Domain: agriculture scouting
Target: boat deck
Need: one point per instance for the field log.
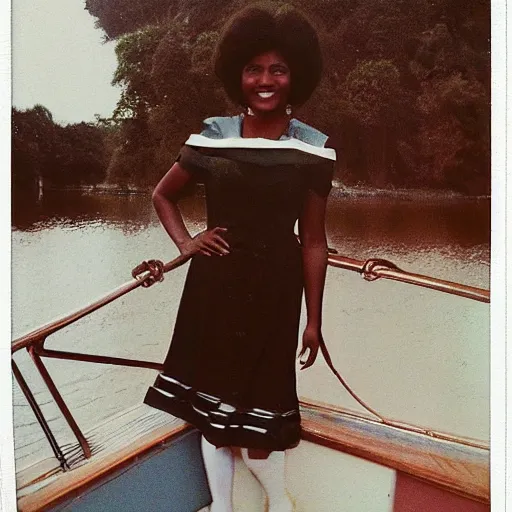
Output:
(344, 460)
(114, 443)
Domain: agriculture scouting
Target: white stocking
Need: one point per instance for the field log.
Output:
(270, 473)
(219, 464)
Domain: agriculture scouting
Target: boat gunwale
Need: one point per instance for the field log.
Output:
(395, 424)
(84, 476)
(455, 466)
(70, 483)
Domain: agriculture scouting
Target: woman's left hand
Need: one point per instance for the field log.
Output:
(310, 341)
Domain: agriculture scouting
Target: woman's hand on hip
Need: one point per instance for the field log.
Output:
(310, 342)
(209, 242)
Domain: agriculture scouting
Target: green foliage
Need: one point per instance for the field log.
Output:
(118, 17)
(135, 61)
(79, 155)
(454, 134)
(33, 142)
(168, 89)
(465, 99)
(405, 91)
(59, 155)
(372, 89)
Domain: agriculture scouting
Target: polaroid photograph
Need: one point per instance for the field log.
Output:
(250, 256)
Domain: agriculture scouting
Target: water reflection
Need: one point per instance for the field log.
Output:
(417, 224)
(74, 209)
(414, 354)
(375, 220)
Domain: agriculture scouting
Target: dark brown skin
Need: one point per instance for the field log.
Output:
(267, 73)
(165, 199)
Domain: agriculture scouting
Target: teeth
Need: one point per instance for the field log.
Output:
(265, 94)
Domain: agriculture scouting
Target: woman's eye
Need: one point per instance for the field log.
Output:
(251, 69)
(280, 71)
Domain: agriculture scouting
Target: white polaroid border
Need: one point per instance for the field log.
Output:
(7, 479)
(501, 246)
(501, 356)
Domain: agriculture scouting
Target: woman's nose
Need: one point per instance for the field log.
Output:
(266, 78)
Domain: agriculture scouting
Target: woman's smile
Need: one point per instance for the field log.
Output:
(266, 83)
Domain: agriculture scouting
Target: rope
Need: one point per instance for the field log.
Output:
(155, 269)
(337, 374)
(382, 419)
(370, 267)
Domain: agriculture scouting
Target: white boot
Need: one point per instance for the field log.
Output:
(219, 464)
(270, 474)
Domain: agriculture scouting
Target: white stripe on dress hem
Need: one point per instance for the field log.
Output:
(170, 395)
(256, 429)
(174, 381)
(223, 407)
(202, 413)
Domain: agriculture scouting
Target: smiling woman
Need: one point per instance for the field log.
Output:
(230, 369)
(255, 32)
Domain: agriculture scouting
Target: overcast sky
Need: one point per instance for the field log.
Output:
(59, 60)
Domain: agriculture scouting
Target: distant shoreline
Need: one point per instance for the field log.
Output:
(365, 191)
(361, 191)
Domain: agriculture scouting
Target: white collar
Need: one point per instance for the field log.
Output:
(260, 143)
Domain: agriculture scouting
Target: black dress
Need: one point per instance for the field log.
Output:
(230, 369)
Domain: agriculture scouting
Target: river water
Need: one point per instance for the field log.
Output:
(411, 353)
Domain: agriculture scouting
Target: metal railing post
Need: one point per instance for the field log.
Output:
(39, 416)
(60, 402)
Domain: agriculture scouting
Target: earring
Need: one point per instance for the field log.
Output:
(288, 110)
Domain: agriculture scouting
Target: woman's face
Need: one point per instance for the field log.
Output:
(266, 83)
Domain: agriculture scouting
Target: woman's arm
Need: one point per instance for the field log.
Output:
(314, 251)
(165, 199)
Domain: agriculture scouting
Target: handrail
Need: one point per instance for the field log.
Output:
(149, 272)
(371, 270)
(375, 268)
(145, 275)
(153, 275)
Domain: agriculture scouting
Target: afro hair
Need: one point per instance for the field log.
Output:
(263, 27)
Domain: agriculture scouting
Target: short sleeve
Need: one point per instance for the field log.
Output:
(191, 159)
(193, 162)
(320, 178)
(320, 175)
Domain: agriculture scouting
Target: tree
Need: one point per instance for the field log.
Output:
(43, 151)
(454, 139)
(372, 98)
(79, 155)
(168, 88)
(134, 63)
(119, 17)
(33, 143)
(406, 85)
